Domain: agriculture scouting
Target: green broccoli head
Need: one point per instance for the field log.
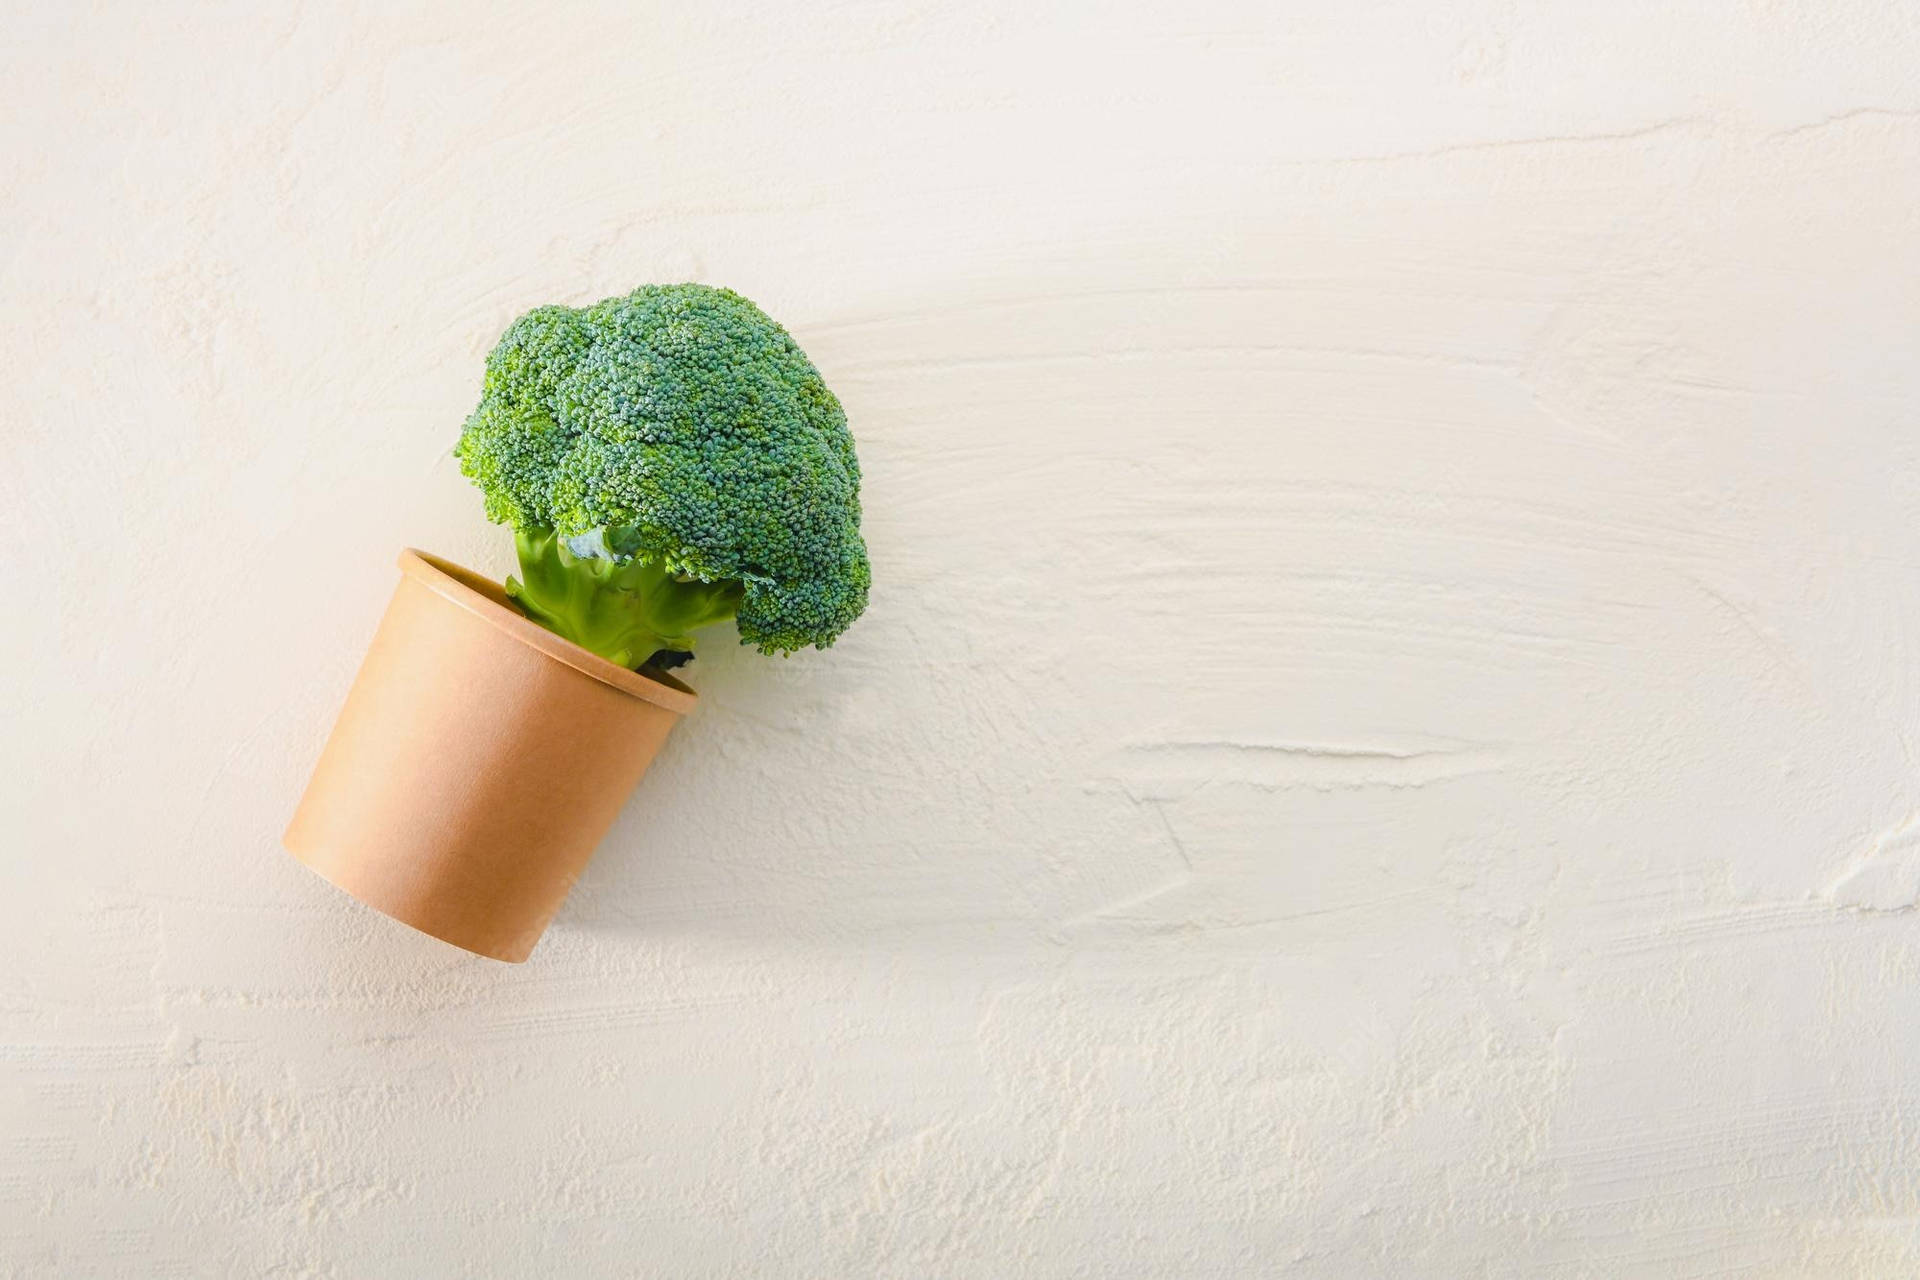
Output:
(678, 428)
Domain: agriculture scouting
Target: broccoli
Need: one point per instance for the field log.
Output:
(669, 459)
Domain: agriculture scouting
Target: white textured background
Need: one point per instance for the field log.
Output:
(1385, 742)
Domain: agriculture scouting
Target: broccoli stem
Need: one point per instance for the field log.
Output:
(626, 613)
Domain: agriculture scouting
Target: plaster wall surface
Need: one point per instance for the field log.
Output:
(1385, 740)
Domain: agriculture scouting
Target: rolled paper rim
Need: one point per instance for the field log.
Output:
(485, 600)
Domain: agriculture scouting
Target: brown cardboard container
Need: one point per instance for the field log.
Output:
(477, 762)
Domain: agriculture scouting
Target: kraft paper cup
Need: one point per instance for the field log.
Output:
(477, 762)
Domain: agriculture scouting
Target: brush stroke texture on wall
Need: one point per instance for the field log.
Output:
(1386, 739)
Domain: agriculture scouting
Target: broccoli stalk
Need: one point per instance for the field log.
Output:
(670, 459)
(626, 613)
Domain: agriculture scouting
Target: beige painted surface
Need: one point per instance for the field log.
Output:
(1384, 745)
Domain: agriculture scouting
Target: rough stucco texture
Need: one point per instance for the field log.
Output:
(1387, 742)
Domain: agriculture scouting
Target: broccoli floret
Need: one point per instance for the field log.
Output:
(669, 459)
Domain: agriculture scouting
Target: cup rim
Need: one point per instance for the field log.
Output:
(488, 601)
